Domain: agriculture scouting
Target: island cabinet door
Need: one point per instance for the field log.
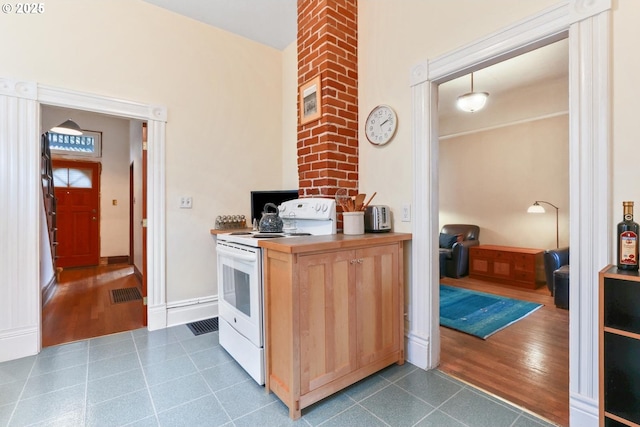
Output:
(327, 316)
(378, 294)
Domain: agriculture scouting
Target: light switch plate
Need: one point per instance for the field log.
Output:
(406, 212)
(186, 202)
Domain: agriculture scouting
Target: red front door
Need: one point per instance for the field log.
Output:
(77, 191)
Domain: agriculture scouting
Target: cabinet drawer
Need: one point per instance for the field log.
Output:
(525, 276)
(503, 256)
(526, 264)
(479, 266)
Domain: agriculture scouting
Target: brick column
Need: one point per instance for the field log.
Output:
(328, 47)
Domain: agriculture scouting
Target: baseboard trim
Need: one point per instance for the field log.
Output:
(156, 317)
(120, 259)
(187, 311)
(49, 290)
(18, 343)
(137, 273)
(417, 351)
(583, 411)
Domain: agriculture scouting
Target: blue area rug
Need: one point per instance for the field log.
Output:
(480, 314)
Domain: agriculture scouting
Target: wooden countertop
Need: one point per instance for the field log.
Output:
(304, 244)
(216, 231)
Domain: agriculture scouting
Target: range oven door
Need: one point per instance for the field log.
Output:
(240, 289)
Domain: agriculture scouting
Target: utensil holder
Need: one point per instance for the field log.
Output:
(353, 222)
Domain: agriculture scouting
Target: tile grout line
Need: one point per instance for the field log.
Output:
(85, 409)
(26, 381)
(146, 383)
(205, 381)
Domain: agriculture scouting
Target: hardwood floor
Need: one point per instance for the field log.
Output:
(82, 308)
(526, 363)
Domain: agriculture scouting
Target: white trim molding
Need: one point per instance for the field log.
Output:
(192, 310)
(586, 23)
(20, 192)
(20, 201)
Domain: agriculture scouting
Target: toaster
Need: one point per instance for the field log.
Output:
(377, 219)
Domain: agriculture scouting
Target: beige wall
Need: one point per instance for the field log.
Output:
(223, 95)
(626, 92)
(290, 117)
(490, 178)
(518, 153)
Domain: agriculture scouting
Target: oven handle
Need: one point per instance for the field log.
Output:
(235, 254)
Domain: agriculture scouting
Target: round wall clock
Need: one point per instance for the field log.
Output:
(381, 125)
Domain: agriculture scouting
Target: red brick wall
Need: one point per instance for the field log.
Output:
(327, 46)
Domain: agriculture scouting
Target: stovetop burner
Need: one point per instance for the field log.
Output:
(267, 235)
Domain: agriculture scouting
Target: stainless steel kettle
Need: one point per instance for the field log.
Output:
(270, 221)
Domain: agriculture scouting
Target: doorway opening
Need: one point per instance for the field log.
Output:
(589, 181)
(100, 238)
(491, 162)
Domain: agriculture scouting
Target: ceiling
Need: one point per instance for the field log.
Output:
(549, 62)
(274, 23)
(270, 22)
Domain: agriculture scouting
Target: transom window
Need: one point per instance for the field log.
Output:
(89, 144)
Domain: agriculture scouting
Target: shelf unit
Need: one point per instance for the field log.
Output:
(619, 347)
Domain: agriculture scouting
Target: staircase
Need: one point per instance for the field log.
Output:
(46, 171)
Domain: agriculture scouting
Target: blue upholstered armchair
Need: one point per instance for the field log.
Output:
(455, 240)
(556, 269)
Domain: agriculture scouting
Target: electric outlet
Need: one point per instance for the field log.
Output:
(186, 202)
(406, 212)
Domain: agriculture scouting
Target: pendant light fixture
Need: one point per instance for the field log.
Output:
(67, 128)
(472, 101)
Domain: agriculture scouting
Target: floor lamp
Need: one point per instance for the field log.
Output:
(536, 208)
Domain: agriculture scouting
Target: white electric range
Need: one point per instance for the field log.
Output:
(241, 281)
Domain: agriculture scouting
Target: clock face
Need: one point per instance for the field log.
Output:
(381, 125)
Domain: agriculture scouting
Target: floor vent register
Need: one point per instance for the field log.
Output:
(204, 326)
(125, 295)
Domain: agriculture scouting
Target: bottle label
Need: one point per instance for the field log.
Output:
(628, 245)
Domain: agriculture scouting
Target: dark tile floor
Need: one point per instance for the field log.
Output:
(172, 378)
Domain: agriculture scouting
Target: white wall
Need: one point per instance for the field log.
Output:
(223, 94)
(114, 176)
(490, 178)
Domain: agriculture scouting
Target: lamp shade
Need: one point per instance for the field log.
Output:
(536, 208)
(67, 128)
(472, 101)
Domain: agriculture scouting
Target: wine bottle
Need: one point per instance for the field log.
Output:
(628, 232)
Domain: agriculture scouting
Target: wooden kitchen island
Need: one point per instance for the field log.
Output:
(333, 312)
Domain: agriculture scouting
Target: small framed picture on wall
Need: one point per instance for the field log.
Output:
(310, 100)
